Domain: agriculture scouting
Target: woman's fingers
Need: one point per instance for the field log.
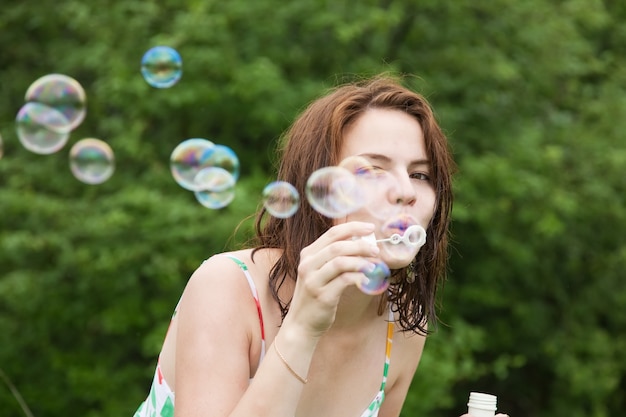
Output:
(345, 231)
(331, 257)
(335, 261)
(347, 269)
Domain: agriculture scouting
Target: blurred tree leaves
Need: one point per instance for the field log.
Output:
(532, 95)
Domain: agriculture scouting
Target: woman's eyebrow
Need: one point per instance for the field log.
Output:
(384, 158)
(376, 156)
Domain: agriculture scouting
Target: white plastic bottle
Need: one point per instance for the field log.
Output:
(481, 405)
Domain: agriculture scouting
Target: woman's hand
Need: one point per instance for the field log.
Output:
(497, 415)
(335, 261)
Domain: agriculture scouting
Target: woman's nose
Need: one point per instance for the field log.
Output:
(402, 192)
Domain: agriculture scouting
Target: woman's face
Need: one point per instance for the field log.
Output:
(396, 176)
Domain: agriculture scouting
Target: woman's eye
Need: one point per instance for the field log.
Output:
(369, 171)
(420, 176)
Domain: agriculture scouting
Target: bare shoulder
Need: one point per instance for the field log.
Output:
(212, 291)
(219, 266)
(217, 334)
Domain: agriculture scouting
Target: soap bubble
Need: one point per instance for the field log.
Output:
(223, 157)
(92, 161)
(334, 192)
(215, 187)
(42, 129)
(374, 184)
(161, 66)
(63, 93)
(189, 158)
(281, 199)
(378, 279)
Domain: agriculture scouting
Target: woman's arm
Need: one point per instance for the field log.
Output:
(216, 322)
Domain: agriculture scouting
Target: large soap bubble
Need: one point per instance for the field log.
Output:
(42, 129)
(334, 192)
(63, 93)
(374, 184)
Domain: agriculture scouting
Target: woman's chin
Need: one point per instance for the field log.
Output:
(397, 256)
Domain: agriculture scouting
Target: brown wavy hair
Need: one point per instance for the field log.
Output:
(314, 141)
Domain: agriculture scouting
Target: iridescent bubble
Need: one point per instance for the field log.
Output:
(42, 129)
(374, 183)
(334, 192)
(223, 157)
(161, 66)
(187, 159)
(62, 93)
(281, 199)
(378, 279)
(216, 187)
(92, 161)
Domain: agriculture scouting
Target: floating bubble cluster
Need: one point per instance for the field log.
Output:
(189, 158)
(161, 66)
(211, 171)
(55, 105)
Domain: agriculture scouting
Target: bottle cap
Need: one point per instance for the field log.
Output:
(482, 405)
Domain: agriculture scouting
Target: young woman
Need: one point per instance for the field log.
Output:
(285, 328)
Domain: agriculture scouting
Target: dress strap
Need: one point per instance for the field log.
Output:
(390, 329)
(255, 295)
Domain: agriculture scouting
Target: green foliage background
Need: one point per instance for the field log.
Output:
(531, 93)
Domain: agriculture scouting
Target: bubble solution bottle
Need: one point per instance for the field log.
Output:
(481, 405)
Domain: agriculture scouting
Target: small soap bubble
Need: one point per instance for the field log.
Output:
(41, 129)
(215, 187)
(161, 66)
(189, 158)
(92, 161)
(334, 192)
(62, 93)
(378, 279)
(222, 156)
(281, 199)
